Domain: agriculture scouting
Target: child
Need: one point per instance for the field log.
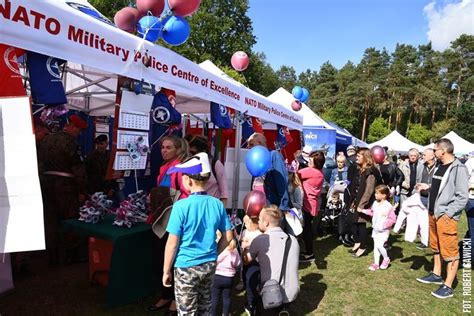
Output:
(192, 230)
(250, 271)
(334, 207)
(227, 264)
(295, 190)
(383, 218)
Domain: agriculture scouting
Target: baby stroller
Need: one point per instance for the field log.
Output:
(333, 208)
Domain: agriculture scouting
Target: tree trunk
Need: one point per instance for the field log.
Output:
(458, 100)
(366, 114)
(433, 114)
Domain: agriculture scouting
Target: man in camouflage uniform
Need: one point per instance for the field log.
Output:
(96, 166)
(63, 183)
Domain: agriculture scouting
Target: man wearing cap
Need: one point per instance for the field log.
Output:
(96, 165)
(63, 183)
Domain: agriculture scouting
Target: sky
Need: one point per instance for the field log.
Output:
(306, 33)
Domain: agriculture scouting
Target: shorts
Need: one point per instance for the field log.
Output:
(444, 237)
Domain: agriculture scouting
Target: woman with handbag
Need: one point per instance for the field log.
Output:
(169, 188)
(362, 198)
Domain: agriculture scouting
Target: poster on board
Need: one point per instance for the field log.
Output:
(321, 138)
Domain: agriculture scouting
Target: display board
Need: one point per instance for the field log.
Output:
(245, 178)
(21, 206)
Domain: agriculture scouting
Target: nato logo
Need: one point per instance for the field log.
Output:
(53, 68)
(9, 57)
(223, 110)
(161, 115)
(90, 11)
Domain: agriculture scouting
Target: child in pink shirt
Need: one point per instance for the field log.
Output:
(228, 262)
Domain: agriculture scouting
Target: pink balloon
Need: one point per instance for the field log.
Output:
(240, 61)
(254, 201)
(378, 154)
(126, 19)
(184, 7)
(155, 6)
(296, 105)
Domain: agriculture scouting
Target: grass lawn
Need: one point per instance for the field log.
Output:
(336, 284)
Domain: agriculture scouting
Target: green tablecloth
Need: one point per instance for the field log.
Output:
(131, 275)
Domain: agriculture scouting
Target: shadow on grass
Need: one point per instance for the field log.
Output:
(311, 293)
(323, 247)
(418, 262)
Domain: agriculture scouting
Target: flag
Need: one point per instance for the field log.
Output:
(45, 79)
(257, 125)
(162, 112)
(11, 83)
(220, 116)
(283, 135)
(247, 127)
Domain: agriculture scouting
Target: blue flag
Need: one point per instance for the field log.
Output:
(220, 116)
(45, 79)
(247, 127)
(162, 112)
(283, 135)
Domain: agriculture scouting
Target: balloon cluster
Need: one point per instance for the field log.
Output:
(152, 22)
(51, 114)
(257, 160)
(132, 210)
(137, 149)
(301, 95)
(95, 208)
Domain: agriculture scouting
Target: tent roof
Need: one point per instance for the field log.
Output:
(342, 134)
(88, 41)
(397, 142)
(461, 146)
(310, 119)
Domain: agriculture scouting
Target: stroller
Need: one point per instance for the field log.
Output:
(333, 208)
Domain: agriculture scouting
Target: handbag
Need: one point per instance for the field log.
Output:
(162, 200)
(271, 292)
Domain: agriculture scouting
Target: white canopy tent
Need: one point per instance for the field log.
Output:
(397, 142)
(310, 119)
(72, 35)
(461, 146)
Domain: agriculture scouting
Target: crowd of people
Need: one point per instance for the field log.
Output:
(202, 252)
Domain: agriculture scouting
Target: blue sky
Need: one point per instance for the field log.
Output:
(306, 33)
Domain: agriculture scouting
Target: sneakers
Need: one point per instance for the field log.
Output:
(385, 264)
(431, 279)
(421, 246)
(306, 258)
(443, 292)
(250, 310)
(374, 267)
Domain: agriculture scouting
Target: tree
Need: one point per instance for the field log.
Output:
(419, 134)
(218, 29)
(442, 127)
(338, 115)
(108, 7)
(260, 75)
(378, 130)
(287, 77)
(464, 121)
(325, 92)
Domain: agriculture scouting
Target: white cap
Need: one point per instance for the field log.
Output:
(195, 165)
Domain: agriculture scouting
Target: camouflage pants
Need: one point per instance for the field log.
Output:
(192, 288)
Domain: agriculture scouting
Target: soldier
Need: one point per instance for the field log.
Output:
(63, 185)
(96, 166)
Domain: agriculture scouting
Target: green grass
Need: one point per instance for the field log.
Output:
(337, 284)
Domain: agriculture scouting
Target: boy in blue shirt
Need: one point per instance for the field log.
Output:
(192, 239)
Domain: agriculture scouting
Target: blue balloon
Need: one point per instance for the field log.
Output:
(176, 30)
(297, 92)
(258, 160)
(305, 95)
(149, 27)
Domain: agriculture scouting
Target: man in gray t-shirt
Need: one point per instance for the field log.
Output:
(268, 249)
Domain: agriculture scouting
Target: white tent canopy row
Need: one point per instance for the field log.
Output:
(461, 146)
(397, 142)
(72, 35)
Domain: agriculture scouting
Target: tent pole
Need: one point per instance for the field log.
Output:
(235, 185)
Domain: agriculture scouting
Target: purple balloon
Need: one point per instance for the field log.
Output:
(378, 154)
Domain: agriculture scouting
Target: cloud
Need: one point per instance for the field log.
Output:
(447, 22)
